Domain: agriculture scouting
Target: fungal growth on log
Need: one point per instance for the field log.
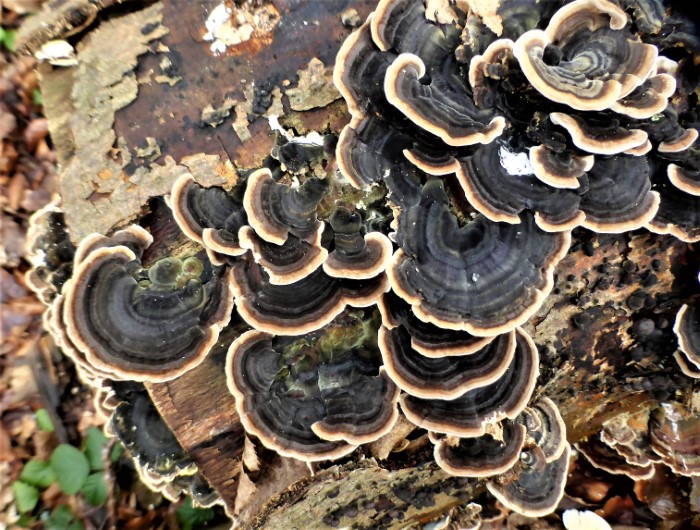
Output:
(393, 301)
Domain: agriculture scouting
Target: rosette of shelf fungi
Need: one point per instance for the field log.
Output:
(534, 485)
(398, 70)
(687, 329)
(472, 413)
(613, 195)
(485, 278)
(315, 396)
(142, 324)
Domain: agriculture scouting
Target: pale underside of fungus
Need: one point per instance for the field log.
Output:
(488, 149)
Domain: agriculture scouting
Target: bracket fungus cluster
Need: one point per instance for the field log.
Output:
(488, 144)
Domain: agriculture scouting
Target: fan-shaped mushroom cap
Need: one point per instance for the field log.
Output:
(359, 70)
(369, 151)
(469, 414)
(679, 212)
(680, 144)
(675, 437)
(484, 456)
(686, 180)
(209, 216)
(559, 170)
(139, 426)
(581, 75)
(650, 98)
(619, 196)
(609, 140)
(302, 306)
(546, 427)
(485, 278)
(87, 373)
(438, 108)
(687, 329)
(286, 263)
(427, 339)
(443, 377)
(275, 210)
(533, 487)
(354, 256)
(140, 325)
(314, 397)
(603, 457)
(501, 184)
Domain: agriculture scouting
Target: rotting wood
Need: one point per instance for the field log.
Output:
(585, 330)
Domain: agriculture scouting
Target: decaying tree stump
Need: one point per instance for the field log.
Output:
(149, 100)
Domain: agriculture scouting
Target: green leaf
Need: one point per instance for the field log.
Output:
(71, 468)
(25, 521)
(61, 519)
(37, 98)
(38, 473)
(26, 496)
(117, 451)
(188, 516)
(8, 38)
(95, 489)
(43, 420)
(95, 442)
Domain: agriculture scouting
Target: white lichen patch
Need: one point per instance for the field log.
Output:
(226, 27)
(57, 53)
(515, 163)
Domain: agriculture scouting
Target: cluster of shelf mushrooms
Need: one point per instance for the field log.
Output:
(544, 117)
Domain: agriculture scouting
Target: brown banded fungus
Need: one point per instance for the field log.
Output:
(289, 262)
(300, 307)
(687, 329)
(604, 457)
(675, 437)
(210, 216)
(469, 414)
(584, 59)
(49, 250)
(427, 339)
(534, 485)
(484, 278)
(276, 211)
(355, 256)
(443, 377)
(484, 456)
(142, 324)
(316, 396)
(585, 84)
